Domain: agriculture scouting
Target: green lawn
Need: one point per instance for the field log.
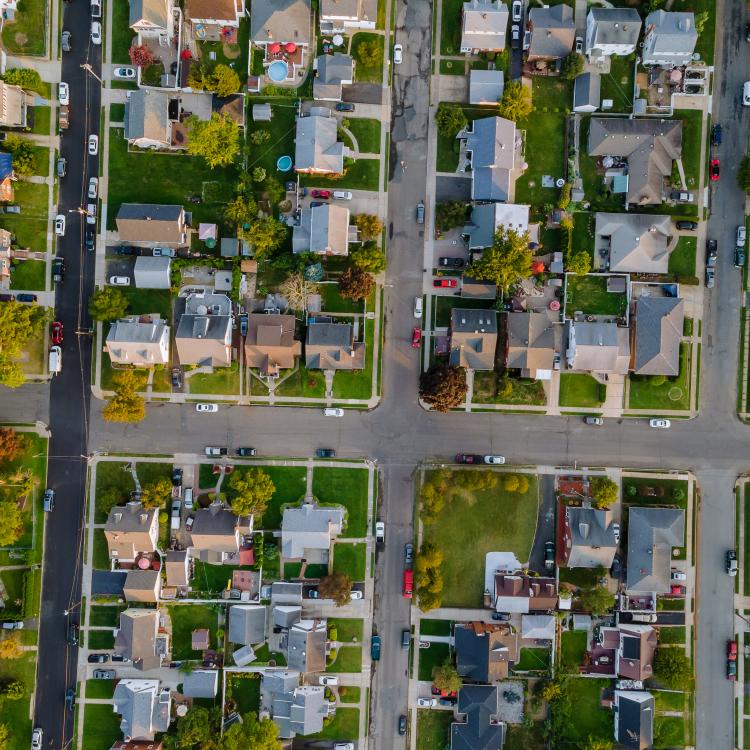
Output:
(238, 53)
(691, 145)
(282, 130)
(348, 659)
(521, 737)
(581, 390)
(665, 487)
(583, 232)
(30, 226)
(244, 689)
(433, 729)
(589, 295)
(122, 34)
(290, 484)
(41, 161)
(111, 478)
(429, 658)
(333, 302)
(347, 487)
(350, 559)
(668, 701)
(669, 732)
(362, 175)
(105, 616)
(434, 627)
(211, 577)
(447, 153)
(116, 112)
(450, 30)
(100, 689)
(186, 619)
(591, 719)
(452, 67)
(574, 646)
(101, 727)
(533, 659)
(349, 694)
(40, 117)
(367, 133)
(100, 640)
(463, 574)
(443, 306)
(27, 35)
(358, 383)
(618, 83)
(525, 391)
(367, 73)
(682, 258)
(29, 274)
(672, 394)
(223, 380)
(344, 726)
(348, 630)
(303, 382)
(142, 301)
(15, 713)
(672, 635)
(582, 577)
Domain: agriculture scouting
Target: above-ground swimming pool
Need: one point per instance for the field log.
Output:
(277, 71)
(284, 163)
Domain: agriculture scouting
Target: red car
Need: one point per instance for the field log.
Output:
(450, 283)
(732, 650)
(469, 458)
(714, 170)
(325, 194)
(57, 333)
(416, 337)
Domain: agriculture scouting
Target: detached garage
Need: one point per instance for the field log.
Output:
(152, 273)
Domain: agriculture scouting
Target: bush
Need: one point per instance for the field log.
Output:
(26, 78)
(657, 380)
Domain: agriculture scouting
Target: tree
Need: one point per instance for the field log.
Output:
(443, 387)
(595, 743)
(564, 200)
(223, 80)
(700, 21)
(265, 235)
(108, 304)
(336, 586)
(156, 494)
(743, 173)
(369, 226)
(450, 119)
(126, 405)
(251, 734)
(259, 174)
(11, 522)
(140, 56)
(604, 492)
(678, 494)
(254, 489)
(507, 261)
(368, 257)
(10, 647)
(12, 444)
(578, 263)
(516, 102)
(259, 137)
(12, 689)
(672, 667)
(274, 190)
(356, 284)
(451, 214)
(445, 677)
(296, 289)
(217, 140)
(199, 728)
(22, 151)
(510, 482)
(18, 324)
(370, 53)
(242, 209)
(572, 66)
(597, 600)
(5, 736)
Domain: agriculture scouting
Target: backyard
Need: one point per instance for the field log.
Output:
(187, 618)
(372, 72)
(463, 574)
(573, 648)
(618, 83)
(347, 487)
(591, 719)
(533, 660)
(141, 301)
(244, 689)
(658, 393)
(581, 390)
(589, 296)
(281, 129)
(344, 726)
(682, 258)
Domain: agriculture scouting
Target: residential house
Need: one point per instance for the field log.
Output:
(600, 347)
(486, 87)
(346, 16)
(247, 624)
(13, 106)
(284, 616)
(138, 638)
(323, 230)
(612, 31)
(484, 652)
(7, 177)
(634, 243)
(283, 593)
(294, 709)
(6, 240)
(331, 346)
(204, 330)
(139, 340)
(669, 39)
(473, 338)
(144, 708)
(131, 530)
(136, 745)
(201, 683)
(635, 650)
(8, 9)
(553, 32)
(270, 344)
(517, 592)
(491, 152)
(317, 148)
(215, 20)
(146, 224)
(488, 218)
(650, 146)
(151, 17)
(652, 535)
(306, 644)
(588, 537)
(309, 531)
(282, 27)
(215, 537)
(332, 73)
(634, 719)
(480, 727)
(147, 121)
(478, 289)
(587, 96)
(658, 329)
(483, 26)
(152, 272)
(530, 344)
(142, 586)
(177, 566)
(538, 627)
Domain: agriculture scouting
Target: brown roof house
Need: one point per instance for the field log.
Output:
(598, 346)
(634, 243)
(142, 586)
(200, 639)
(215, 536)
(484, 652)
(204, 330)
(152, 224)
(516, 592)
(331, 346)
(270, 344)
(177, 566)
(131, 530)
(210, 18)
(588, 538)
(138, 638)
(634, 658)
(530, 344)
(140, 340)
(473, 338)
(658, 331)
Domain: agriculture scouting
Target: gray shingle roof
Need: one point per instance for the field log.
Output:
(634, 718)
(492, 143)
(670, 38)
(552, 32)
(332, 72)
(309, 527)
(143, 708)
(294, 709)
(480, 705)
(280, 21)
(587, 92)
(148, 116)
(322, 229)
(138, 340)
(613, 26)
(306, 646)
(154, 12)
(317, 148)
(136, 637)
(598, 347)
(473, 338)
(486, 86)
(484, 25)
(658, 330)
(591, 536)
(652, 533)
(247, 624)
(152, 272)
(637, 242)
(201, 683)
(329, 346)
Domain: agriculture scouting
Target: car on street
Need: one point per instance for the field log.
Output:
(325, 453)
(494, 460)
(451, 262)
(375, 648)
(344, 107)
(328, 680)
(408, 554)
(73, 633)
(712, 251)
(380, 532)
(70, 699)
(730, 562)
(407, 588)
(98, 658)
(177, 477)
(125, 73)
(445, 283)
(594, 421)
(60, 225)
(63, 94)
(549, 555)
(91, 213)
(515, 37)
(420, 212)
(58, 270)
(93, 190)
(416, 337)
(716, 135)
(56, 332)
(96, 32)
(209, 408)
(93, 145)
(469, 458)
(62, 166)
(732, 650)
(741, 235)
(747, 32)
(246, 452)
(333, 412)
(579, 45)
(324, 194)
(501, 616)
(402, 724)
(212, 450)
(344, 746)
(427, 702)
(66, 41)
(746, 94)
(731, 670)
(398, 54)
(119, 280)
(48, 503)
(689, 226)
(739, 257)
(714, 169)
(104, 674)
(710, 278)
(616, 532)
(517, 10)
(660, 424)
(418, 308)
(37, 739)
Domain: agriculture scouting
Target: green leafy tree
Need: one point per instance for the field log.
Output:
(254, 489)
(5, 737)
(336, 586)
(156, 494)
(370, 53)
(259, 137)
(446, 678)
(578, 263)
(451, 214)
(274, 190)
(18, 325)
(356, 284)
(26, 78)
(672, 667)
(443, 387)
(597, 600)
(11, 525)
(572, 66)
(507, 261)
(450, 119)
(10, 645)
(368, 257)
(217, 140)
(604, 492)
(596, 743)
(108, 304)
(126, 405)
(199, 728)
(12, 444)
(369, 226)
(743, 173)
(265, 235)
(251, 735)
(223, 80)
(510, 482)
(564, 200)
(242, 209)
(516, 102)
(22, 151)
(12, 689)
(259, 174)
(701, 19)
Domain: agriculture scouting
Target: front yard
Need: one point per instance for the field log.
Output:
(525, 391)
(348, 659)
(433, 729)
(589, 295)
(367, 133)
(673, 393)
(347, 487)
(289, 482)
(223, 380)
(15, 713)
(429, 658)
(581, 390)
(28, 275)
(101, 727)
(343, 726)
(28, 33)
(682, 258)
(30, 226)
(350, 559)
(691, 145)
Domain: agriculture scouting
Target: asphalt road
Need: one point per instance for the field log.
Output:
(69, 394)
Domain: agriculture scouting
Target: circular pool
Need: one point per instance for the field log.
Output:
(284, 163)
(277, 71)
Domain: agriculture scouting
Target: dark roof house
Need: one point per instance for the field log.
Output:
(652, 534)
(480, 730)
(473, 338)
(530, 342)
(588, 538)
(552, 32)
(658, 331)
(634, 719)
(152, 224)
(491, 149)
(484, 652)
(331, 346)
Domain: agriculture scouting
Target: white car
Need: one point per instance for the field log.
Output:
(380, 532)
(96, 32)
(60, 225)
(344, 746)
(333, 412)
(579, 45)
(517, 10)
(355, 595)
(91, 213)
(211, 408)
(328, 680)
(398, 54)
(678, 575)
(418, 308)
(497, 460)
(746, 94)
(428, 702)
(125, 74)
(93, 144)
(63, 94)
(662, 424)
(616, 532)
(37, 737)
(119, 280)
(741, 236)
(93, 191)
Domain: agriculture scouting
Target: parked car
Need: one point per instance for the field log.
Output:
(48, 503)
(732, 650)
(175, 517)
(104, 674)
(595, 421)
(328, 680)
(93, 144)
(739, 257)
(119, 280)
(515, 37)
(517, 10)
(96, 32)
(659, 424)
(208, 408)
(398, 54)
(70, 699)
(616, 532)
(451, 262)
(63, 94)
(420, 212)
(333, 412)
(416, 337)
(375, 648)
(418, 308)
(37, 739)
(60, 225)
(342, 195)
(579, 45)
(324, 194)
(66, 41)
(689, 226)
(125, 73)
(731, 670)
(73, 633)
(163, 252)
(124, 250)
(10, 209)
(556, 360)
(710, 278)
(13, 625)
(747, 32)
(91, 213)
(746, 94)
(243, 325)
(716, 134)
(615, 569)
(212, 450)
(356, 595)
(469, 458)
(56, 332)
(176, 377)
(176, 477)
(246, 452)
(98, 658)
(405, 638)
(714, 170)
(62, 166)
(682, 196)
(549, 555)
(445, 283)
(315, 204)
(58, 270)
(429, 702)
(380, 532)
(741, 235)
(402, 724)
(93, 190)
(408, 554)
(678, 575)
(501, 616)
(494, 460)
(325, 453)
(344, 107)
(24, 297)
(344, 746)
(731, 562)
(712, 251)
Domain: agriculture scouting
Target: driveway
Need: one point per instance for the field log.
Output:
(452, 189)
(545, 523)
(363, 93)
(108, 582)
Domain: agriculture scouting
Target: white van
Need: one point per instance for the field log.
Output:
(188, 498)
(746, 94)
(55, 360)
(342, 195)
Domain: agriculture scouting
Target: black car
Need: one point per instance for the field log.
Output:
(125, 250)
(325, 453)
(6, 298)
(747, 32)
(176, 477)
(243, 325)
(62, 166)
(712, 250)
(176, 377)
(89, 240)
(687, 225)
(246, 452)
(402, 724)
(73, 634)
(118, 657)
(451, 262)
(58, 270)
(344, 107)
(716, 134)
(469, 458)
(70, 698)
(26, 297)
(616, 569)
(501, 616)
(549, 554)
(98, 658)
(739, 257)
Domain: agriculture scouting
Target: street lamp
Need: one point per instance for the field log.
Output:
(87, 67)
